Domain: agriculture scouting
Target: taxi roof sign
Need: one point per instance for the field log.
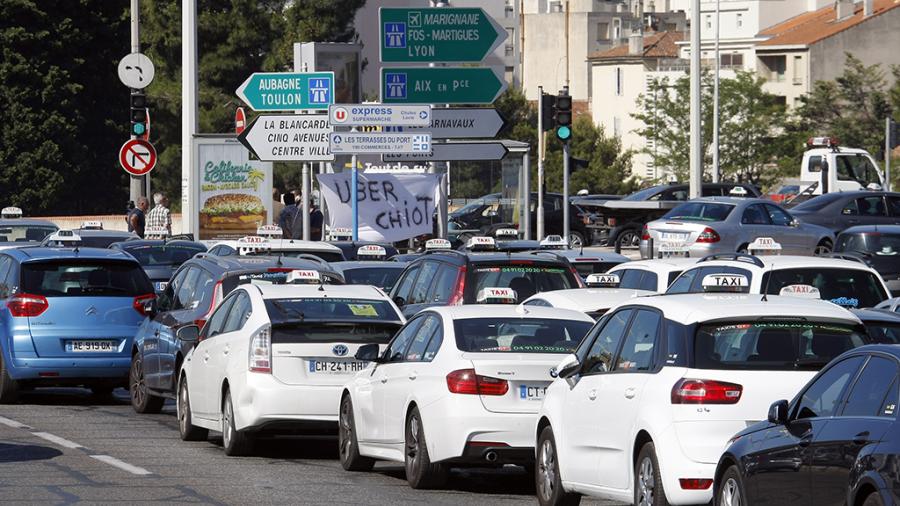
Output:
(764, 244)
(496, 295)
(437, 244)
(602, 280)
(337, 232)
(800, 291)
(92, 225)
(371, 250)
(252, 243)
(481, 242)
(304, 276)
(64, 236)
(725, 283)
(272, 231)
(506, 232)
(156, 232)
(10, 213)
(553, 242)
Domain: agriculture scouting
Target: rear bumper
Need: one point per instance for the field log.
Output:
(263, 403)
(696, 250)
(50, 369)
(674, 464)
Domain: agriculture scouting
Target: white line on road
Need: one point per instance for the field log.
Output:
(12, 423)
(125, 466)
(65, 443)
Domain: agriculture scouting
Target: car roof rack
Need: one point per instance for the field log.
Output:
(734, 257)
(848, 256)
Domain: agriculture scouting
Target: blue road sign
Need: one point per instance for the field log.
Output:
(288, 91)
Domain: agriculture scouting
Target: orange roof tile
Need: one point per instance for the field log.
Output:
(811, 27)
(657, 45)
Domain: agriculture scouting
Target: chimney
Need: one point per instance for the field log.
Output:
(868, 7)
(843, 9)
(636, 44)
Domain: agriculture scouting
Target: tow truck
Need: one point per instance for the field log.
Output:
(828, 167)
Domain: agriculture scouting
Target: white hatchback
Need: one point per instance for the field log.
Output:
(273, 359)
(646, 406)
(458, 385)
(595, 302)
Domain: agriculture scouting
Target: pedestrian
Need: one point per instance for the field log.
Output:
(277, 206)
(315, 221)
(137, 217)
(291, 220)
(159, 216)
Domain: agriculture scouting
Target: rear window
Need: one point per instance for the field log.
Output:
(771, 345)
(817, 203)
(519, 335)
(25, 233)
(700, 211)
(328, 256)
(526, 280)
(85, 278)
(376, 276)
(876, 243)
(883, 332)
(638, 279)
(845, 287)
(157, 255)
(306, 320)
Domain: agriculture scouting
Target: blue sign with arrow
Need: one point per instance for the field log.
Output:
(288, 91)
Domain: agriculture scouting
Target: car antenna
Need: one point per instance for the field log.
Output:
(765, 297)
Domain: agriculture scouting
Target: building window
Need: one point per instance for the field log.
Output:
(798, 70)
(617, 29)
(740, 20)
(619, 85)
(708, 21)
(602, 32)
(617, 126)
(508, 11)
(734, 60)
(773, 67)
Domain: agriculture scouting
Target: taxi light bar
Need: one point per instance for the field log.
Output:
(371, 250)
(260, 359)
(506, 233)
(801, 291)
(602, 280)
(160, 232)
(27, 305)
(728, 283)
(308, 277)
(10, 213)
(825, 142)
(437, 244)
(252, 243)
(698, 391)
(64, 237)
(492, 295)
(764, 244)
(92, 225)
(553, 242)
(270, 231)
(340, 232)
(466, 381)
(481, 243)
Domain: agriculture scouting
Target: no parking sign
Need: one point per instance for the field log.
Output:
(137, 157)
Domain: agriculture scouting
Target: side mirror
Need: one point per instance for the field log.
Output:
(367, 353)
(492, 214)
(846, 211)
(400, 301)
(188, 333)
(568, 367)
(778, 412)
(151, 308)
(795, 222)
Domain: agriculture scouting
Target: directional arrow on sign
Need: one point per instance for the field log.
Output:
(288, 91)
(461, 123)
(454, 151)
(440, 85)
(289, 138)
(438, 34)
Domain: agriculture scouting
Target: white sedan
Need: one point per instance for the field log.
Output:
(595, 302)
(458, 385)
(273, 358)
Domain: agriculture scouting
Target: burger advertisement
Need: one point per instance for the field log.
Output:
(235, 193)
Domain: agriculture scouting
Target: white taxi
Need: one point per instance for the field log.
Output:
(274, 358)
(458, 385)
(268, 242)
(653, 275)
(647, 404)
(594, 301)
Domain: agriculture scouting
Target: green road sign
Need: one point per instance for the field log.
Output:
(447, 34)
(440, 85)
(288, 91)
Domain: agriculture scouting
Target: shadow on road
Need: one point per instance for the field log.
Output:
(24, 453)
(72, 397)
(508, 480)
(293, 448)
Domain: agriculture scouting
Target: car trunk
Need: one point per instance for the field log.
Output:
(104, 323)
(675, 232)
(528, 376)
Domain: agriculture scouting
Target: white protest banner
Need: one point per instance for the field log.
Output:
(392, 207)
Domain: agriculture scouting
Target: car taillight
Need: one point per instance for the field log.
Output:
(645, 233)
(465, 381)
(696, 391)
(261, 350)
(140, 303)
(25, 304)
(708, 235)
(456, 298)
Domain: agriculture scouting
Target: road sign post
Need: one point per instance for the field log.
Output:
(289, 138)
(448, 34)
(288, 91)
(442, 85)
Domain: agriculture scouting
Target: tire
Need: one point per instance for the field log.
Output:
(823, 248)
(421, 473)
(648, 486)
(547, 482)
(237, 443)
(348, 446)
(627, 238)
(186, 428)
(9, 388)
(743, 249)
(873, 499)
(577, 240)
(731, 491)
(142, 401)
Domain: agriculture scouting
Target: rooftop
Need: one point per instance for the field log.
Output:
(811, 27)
(657, 45)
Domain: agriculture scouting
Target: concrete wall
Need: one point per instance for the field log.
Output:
(613, 110)
(877, 40)
(796, 75)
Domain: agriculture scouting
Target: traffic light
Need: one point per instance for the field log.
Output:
(562, 115)
(548, 103)
(138, 114)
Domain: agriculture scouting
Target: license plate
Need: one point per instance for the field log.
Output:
(531, 392)
(161, 286)
(673, 236)
(336, 367)
(92, 346)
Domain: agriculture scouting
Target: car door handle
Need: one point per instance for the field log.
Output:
(413, 375)
(206, 357)
(592, 394)
(861, 438)
(226, 350)
(629, 393)
(384, 380)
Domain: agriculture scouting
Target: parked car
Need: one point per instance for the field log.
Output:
(92, 235)
(68, 317)
(835, 443)
(160, 258)
(726, 225)
(263, 246)
(588, 262)
(594, 302)
(18, 232)
(381, 274)
(878, 245)
(841, 210)
(883, 326)
(651, 275)
(357, 250)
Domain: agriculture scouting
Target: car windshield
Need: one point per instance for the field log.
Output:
(328, 256)
(845, 287)
(817, 203)
(771, 345)
(156, 255)
(526, 279)
(84, 278)
(643, 194)
(381, 277)
(884, 332)
(700, 211)
(25, 233)
(519, 335)
(870, 243)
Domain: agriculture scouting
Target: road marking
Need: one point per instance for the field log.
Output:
(12, 423)
(65, 443)
(125, 466)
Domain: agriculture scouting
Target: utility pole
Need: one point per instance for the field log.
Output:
(696, 153)
(887, 153)
(539, 212)
(136, 183)
(189, 124)
(715, 142)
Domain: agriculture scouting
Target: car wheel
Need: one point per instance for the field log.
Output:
(188, 431)
(627, 239)
(421, 473)
(348, 447)
(548, 483)
(237, 443)
(731, 491)
(141, 399)
(9, 388)
(743, 249)
(648, 487)
(824, 247)
(577, 240)
(873, 499)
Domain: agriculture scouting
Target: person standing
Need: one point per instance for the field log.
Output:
(137, 217)
(291, 220)
(277, 206)
(315, 221)
(159, 216)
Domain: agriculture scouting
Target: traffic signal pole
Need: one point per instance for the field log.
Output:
(539, 213)
(565, 203)
(136, 183)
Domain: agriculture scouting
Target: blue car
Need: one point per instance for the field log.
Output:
(68, 317)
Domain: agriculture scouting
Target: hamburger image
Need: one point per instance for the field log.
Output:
(232, 212)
